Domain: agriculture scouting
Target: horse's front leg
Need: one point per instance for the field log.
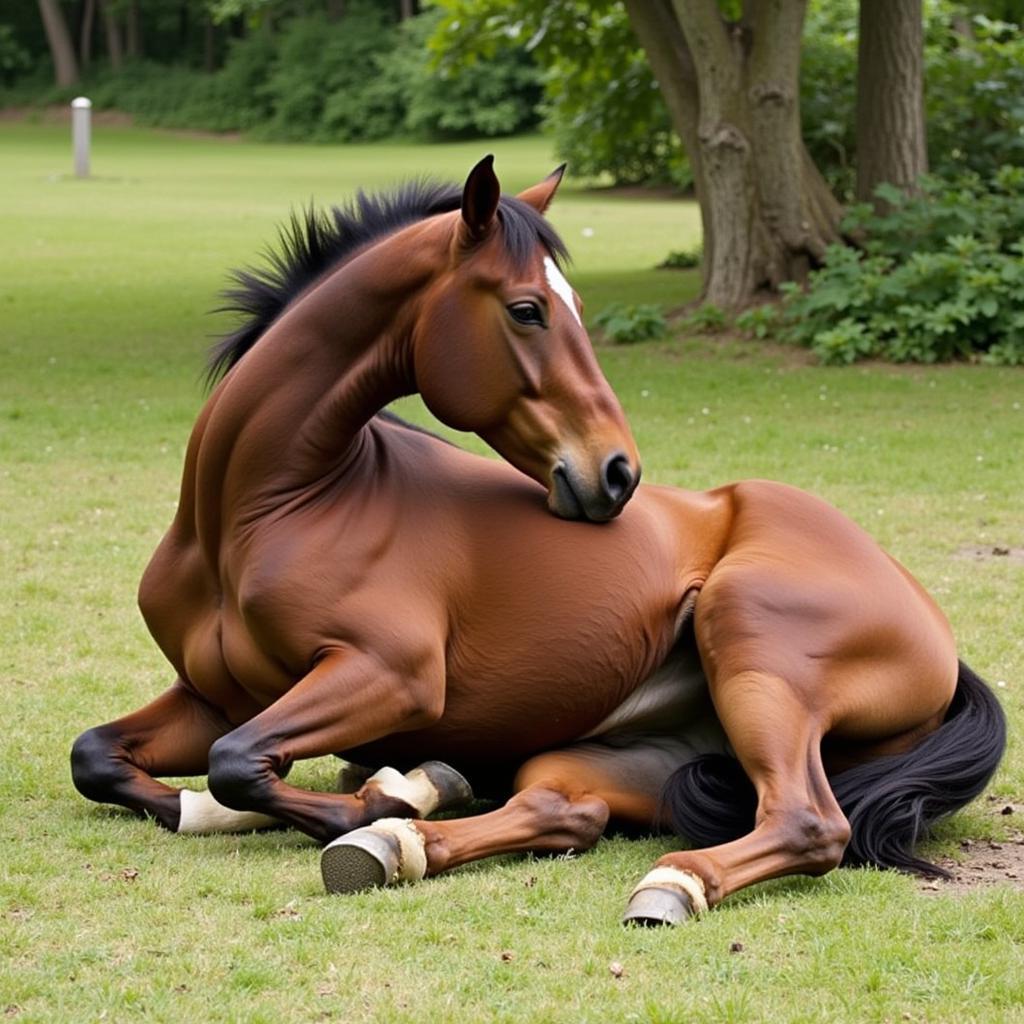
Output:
(349, 698)
(116, 763)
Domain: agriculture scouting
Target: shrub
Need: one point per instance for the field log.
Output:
(683, 259)
(758, 321)
(499, 96)
(975, 99)
(941, 277)
(706, 319)
(627, 323)
(15, 60)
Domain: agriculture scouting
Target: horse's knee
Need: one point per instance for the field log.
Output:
(817, 840)
(237, 774)
(578, 822)
(589, 820)
(96, 768)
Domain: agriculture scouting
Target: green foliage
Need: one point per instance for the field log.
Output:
(601, 102)
(628, 323)
(975, 98)
(706, 319)
(974, 90)
(683, 259)
(759, 321)
(306, 77)
(941, 277)
(499, 96)
(828, 76)
(325, 83)
(14, 58)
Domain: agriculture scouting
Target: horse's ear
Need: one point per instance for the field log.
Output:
(480, 197)
(539, 196)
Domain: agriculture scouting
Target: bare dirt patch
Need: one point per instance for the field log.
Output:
(992, 553)
(983, 862)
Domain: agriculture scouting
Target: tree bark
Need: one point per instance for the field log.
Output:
(133, 42)
(659, 34)
(732, 90)
(85, 38)
(890, 96)
(209, 45)
(112, 32)
(63, 53)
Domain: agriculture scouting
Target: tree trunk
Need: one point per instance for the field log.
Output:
(85, 39)
(335, 9)
(209, 45)
(133, 43)
(63, 53)
(407, 9)
(890, 96)
(112, 31)
(659, 33)
(732, 90)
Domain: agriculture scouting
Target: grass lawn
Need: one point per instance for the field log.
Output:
(103, 291)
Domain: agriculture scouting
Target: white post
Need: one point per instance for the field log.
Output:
(81, 132)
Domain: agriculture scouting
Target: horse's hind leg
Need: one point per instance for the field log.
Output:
(563, 802)
(799, 827)
(116, 763)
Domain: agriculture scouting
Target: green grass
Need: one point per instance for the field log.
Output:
(103, 288)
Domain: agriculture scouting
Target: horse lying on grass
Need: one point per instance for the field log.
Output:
(743, 664)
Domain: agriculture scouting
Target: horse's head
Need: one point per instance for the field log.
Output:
(500, 349)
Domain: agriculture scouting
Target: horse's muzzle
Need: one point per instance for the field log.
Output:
(571, 497)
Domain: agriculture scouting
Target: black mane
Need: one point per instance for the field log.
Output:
(315, 242)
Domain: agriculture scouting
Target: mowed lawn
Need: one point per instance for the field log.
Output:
(104, 292)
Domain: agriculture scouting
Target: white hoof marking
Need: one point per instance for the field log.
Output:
(202, 815)
(675, 878)
(415, 789)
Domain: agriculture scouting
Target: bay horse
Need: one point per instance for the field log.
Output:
(743, 664)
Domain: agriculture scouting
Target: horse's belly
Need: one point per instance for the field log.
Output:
(669, 701)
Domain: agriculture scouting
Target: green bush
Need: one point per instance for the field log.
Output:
(759, 321)
(706, 319)
(627, 323)
(601, 102)
(683, 259)
(941, 276)
(499, 96)
(828, 79)
(358, 78)
(975, 99)
(15, 60)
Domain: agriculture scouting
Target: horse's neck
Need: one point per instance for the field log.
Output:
(290, 415)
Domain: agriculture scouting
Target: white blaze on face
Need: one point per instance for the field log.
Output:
(560, 286)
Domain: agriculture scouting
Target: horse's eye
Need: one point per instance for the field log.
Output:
(528, 313)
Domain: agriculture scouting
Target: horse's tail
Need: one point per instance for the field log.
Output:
(890, 802)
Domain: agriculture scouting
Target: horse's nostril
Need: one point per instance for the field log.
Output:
(617, 477)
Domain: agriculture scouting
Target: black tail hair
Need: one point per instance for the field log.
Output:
(890, 802)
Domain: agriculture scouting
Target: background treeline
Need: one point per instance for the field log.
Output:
(356, 70)
(290, 71)
(930, 267)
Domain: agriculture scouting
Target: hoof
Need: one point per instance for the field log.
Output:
(453, 789)
(651, 908)
(363, 859)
